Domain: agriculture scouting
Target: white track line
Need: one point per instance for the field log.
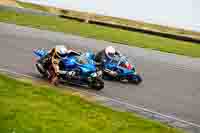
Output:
(117, 101)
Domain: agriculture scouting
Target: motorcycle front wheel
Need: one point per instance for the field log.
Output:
(137, 79)
(97, 84)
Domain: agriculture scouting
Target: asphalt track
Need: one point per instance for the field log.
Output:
(171, 83)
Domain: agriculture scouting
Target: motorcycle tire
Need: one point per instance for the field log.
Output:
(39, 69)
(137, 80)
(98, 84)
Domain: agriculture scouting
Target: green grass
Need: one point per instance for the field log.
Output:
(103, 33)
(29, 108)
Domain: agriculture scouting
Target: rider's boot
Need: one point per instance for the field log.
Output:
(54, 80)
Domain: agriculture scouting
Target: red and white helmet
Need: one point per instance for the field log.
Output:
(110, 52)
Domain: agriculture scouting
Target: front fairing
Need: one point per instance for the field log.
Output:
(122, 72)
(126, 72)
(121, 65)
(88, 68)
(110, 66)
(69, 63)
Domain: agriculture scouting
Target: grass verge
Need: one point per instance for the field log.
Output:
(103, 33)
(27, 108)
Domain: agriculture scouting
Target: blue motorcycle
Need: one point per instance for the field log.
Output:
(123, 70)
(84, 68)
(118, 69)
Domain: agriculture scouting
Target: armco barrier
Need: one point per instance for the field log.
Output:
(73, 18)
(135, 29)
(146, 31)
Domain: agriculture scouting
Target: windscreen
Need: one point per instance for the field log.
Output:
(82, 59)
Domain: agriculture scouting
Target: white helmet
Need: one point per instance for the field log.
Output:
(61, 50)
(110, 52)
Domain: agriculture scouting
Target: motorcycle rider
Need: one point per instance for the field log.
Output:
(105, 55)
(52, 62)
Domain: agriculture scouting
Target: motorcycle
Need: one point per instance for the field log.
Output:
(124, 71)
(85, 70)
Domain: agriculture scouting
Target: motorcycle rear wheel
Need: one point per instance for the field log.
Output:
(39, 69)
